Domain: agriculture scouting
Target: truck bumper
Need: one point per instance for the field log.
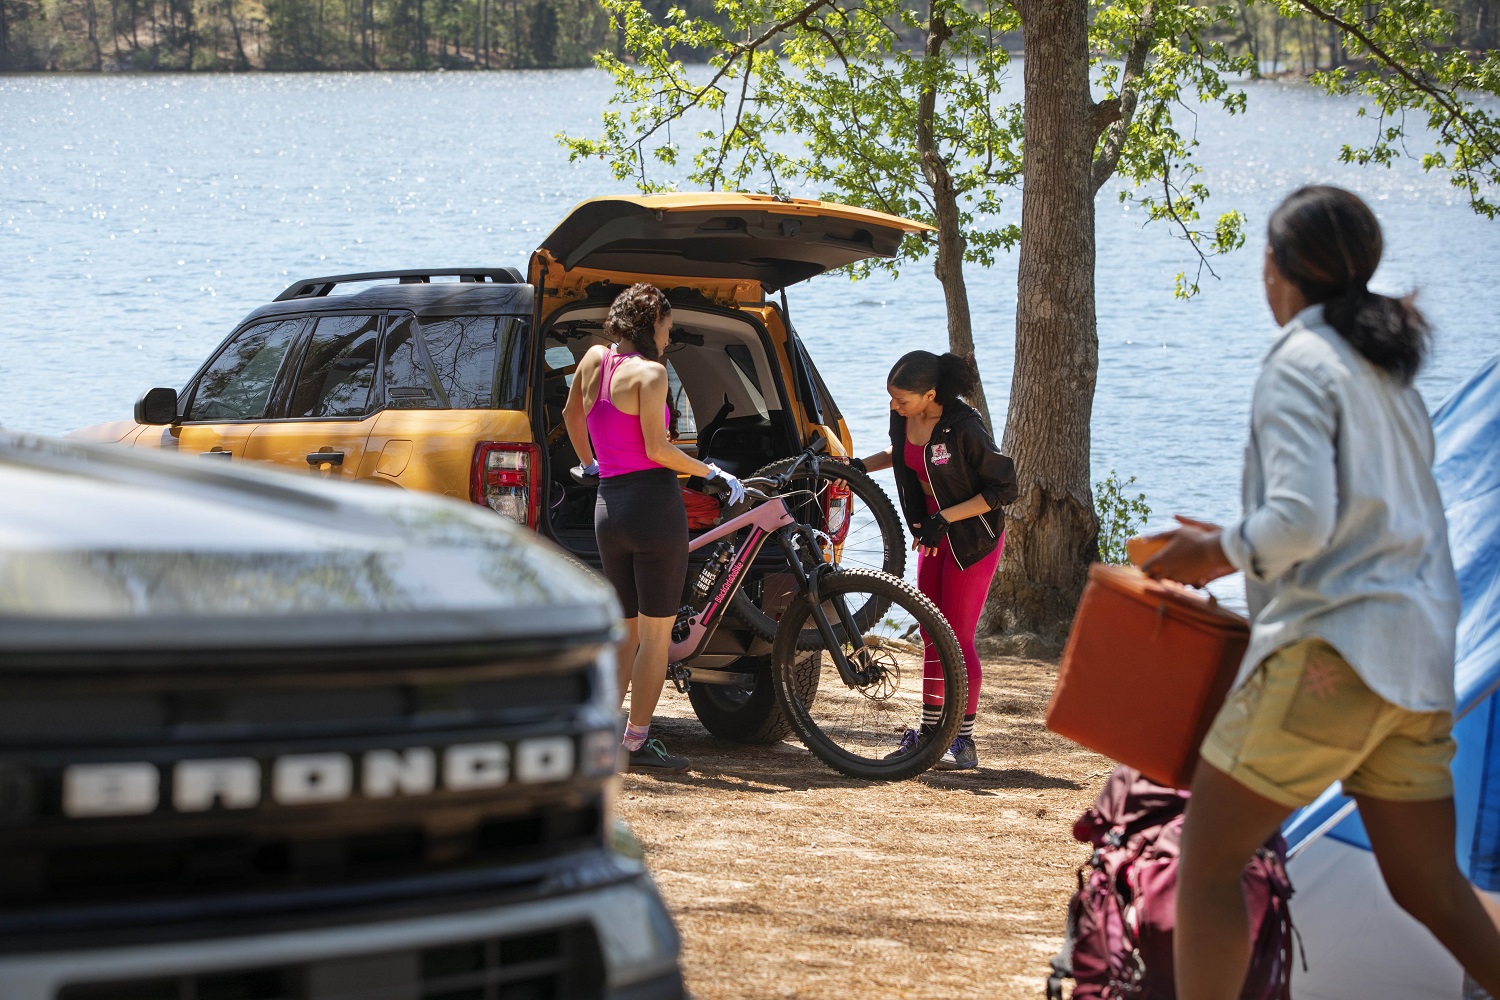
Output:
(614, 943)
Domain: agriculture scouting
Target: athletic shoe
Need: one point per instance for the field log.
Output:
(960, 756)
(909, 741)
(652, 756)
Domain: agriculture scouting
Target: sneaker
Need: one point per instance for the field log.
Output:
(909, 740)
(652, 756)
(960, 756)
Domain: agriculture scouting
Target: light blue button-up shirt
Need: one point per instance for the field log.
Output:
(1343, 536)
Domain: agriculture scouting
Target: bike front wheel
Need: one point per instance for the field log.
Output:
(856, 725)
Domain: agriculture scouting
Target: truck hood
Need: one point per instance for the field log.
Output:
(111, 549)
(722, 235)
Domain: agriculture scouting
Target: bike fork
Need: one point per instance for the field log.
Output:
(808, 583)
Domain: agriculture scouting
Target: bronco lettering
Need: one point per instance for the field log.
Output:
(133, 788)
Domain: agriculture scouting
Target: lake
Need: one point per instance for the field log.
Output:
(142, 217)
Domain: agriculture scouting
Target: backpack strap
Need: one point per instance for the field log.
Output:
(1062, 962)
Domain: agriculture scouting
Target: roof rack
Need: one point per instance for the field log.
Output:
(312, 288)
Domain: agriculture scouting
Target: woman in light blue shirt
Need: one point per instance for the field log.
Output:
(1349, 673)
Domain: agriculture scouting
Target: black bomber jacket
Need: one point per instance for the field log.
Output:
(962, 462)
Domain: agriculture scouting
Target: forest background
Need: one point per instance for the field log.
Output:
(242, 35)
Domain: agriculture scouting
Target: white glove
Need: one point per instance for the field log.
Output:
(736, 491)
(592, 469)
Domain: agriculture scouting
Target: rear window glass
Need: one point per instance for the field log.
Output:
(463, 363)
(237, 383)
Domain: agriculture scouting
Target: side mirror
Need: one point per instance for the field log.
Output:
(156, 406)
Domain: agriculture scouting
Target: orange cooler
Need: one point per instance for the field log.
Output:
(1145, 669)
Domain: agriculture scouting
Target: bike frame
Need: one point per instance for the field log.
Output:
(767, 520)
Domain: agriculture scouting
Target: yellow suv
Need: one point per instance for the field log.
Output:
(452, 381)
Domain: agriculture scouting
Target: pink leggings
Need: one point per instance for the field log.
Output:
(959, 595)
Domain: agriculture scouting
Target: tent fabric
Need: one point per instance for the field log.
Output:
(1467, 468)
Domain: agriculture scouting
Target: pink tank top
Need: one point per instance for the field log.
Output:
(616, 435)
(916, 461)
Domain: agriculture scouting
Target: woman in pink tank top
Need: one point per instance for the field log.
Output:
(617, 418)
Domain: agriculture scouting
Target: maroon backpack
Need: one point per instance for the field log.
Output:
(1119, 934)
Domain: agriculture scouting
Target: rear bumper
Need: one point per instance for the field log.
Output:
(637, 947)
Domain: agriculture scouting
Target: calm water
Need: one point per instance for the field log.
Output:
(140, 218)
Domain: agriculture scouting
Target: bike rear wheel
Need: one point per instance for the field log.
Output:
(857, 730)
(867, 522)
(750, 713)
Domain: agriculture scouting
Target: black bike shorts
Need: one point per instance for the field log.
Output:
(641, 526)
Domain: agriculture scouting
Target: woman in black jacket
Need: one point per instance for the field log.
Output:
(952, 482)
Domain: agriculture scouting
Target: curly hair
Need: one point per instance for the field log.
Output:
(633, 315)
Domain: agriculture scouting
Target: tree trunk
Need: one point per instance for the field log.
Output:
(91, 19)
(1051, 531)
(949, 266)
(190, 32)
(241, 61)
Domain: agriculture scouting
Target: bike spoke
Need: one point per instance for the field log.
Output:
(856, 723)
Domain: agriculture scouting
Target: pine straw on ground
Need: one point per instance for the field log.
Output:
(788, 880)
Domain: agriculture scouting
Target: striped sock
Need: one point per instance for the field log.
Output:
(635, 736)
(931, 716)
(967, 729)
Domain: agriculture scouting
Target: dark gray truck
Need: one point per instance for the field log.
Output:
(265, 738)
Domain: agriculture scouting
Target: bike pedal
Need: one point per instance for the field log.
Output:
(680, 677)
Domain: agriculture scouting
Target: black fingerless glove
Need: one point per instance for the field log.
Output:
(931, 531)
(858, 465)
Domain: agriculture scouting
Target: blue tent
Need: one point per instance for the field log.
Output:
(1358, 943)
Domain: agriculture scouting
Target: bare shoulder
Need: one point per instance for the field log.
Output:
(638, 371)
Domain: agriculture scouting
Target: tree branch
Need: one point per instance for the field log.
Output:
(798, 19)
(1444, 99)
(1116, 114)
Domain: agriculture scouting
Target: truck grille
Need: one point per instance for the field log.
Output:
(338, 777)
(562, 964)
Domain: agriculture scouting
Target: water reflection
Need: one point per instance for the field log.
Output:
(142, 217)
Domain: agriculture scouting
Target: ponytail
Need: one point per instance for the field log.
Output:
(949, 376)
(1391, 333)
(1327, 243)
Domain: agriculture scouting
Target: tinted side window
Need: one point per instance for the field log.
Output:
(237, 384)
(407, 375)
(339, 369)
(478, 361)
(684, 421)
(831, 412)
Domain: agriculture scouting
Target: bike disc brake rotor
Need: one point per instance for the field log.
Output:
(879, 661)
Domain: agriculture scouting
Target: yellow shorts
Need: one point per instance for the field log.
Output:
(1304, 720)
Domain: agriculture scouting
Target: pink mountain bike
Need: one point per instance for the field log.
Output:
(847, 657)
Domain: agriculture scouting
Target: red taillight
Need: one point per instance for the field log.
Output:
(837, 505)
(504, 480)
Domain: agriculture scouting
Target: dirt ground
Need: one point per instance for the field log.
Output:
(789, 880)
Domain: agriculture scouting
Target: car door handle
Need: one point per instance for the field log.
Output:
(217, 454)
(318, 458)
